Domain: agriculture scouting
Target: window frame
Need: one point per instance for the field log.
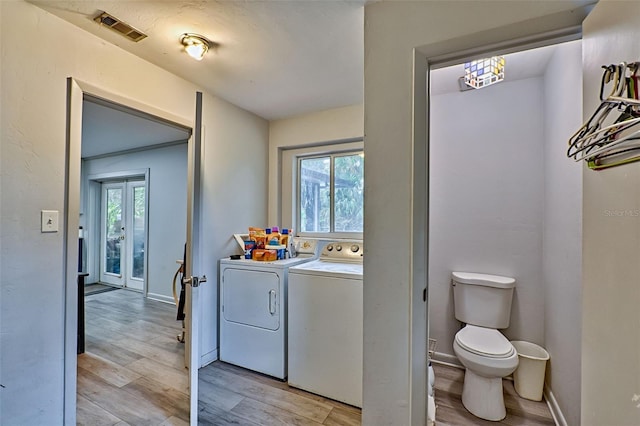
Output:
(290, 184)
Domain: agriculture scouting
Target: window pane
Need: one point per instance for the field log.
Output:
(349, 193)
(314, 194)
(138, 231)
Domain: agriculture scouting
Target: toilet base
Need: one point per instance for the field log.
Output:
(483, 396)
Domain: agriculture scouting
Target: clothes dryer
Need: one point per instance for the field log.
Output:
(253, 310)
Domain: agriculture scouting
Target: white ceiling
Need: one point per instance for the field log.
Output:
(518, 66)
(274, 58)
(106, 130)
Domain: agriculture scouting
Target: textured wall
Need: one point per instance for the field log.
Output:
(562, 238)
(39, 52)
(611, 242)
(486, 201)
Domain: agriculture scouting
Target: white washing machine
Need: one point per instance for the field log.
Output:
(253, 311)
(325, 323)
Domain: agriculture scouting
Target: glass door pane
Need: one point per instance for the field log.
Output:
(136, 234)
(112, 233)
(139, 206)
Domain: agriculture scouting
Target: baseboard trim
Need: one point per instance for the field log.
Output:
(208, 358)
(556, 413)
(161, 298)
(446, 359)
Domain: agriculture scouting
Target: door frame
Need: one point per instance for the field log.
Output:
(94, 203)
(538, 32)
(76, 91)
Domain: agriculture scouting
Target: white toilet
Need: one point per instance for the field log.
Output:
(483, 303)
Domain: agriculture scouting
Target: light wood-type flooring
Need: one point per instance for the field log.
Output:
(133, 373)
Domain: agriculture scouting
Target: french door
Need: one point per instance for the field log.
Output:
(123, 233)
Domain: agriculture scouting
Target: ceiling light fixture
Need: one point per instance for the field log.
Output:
(195, 45)
(484, 72)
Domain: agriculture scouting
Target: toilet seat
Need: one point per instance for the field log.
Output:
(486, 342)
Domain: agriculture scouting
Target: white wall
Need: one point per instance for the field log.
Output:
(167, 215)
(39, 51)
(611, 229)
(392, 31)
(486, 201)
(562, 237)
(234, 184)
(338, 124)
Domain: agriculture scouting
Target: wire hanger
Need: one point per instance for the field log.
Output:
(606, 140)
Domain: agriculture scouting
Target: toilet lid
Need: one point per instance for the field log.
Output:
(484, 341)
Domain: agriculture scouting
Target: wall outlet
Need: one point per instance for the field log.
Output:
(49, 221)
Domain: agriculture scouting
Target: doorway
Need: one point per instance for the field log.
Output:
(510, 196)
(123, 236)
(88, 167)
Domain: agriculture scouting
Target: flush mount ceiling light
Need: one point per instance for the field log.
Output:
(484, 72)
(195, 45)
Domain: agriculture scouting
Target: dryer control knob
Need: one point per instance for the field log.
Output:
(355, 248)
(329, 247)
(338, 247)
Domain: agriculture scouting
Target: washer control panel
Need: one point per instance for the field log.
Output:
(350, 251)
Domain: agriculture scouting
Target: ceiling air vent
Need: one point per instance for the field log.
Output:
(118, 26)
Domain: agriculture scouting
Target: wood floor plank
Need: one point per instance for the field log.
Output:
(451, 411)
(210, 415)
(268, 415)
(90, 414)
(111, 372)
(536, 410)
(448, 379)
(170, 401)
(115, 320)
(342, 417)
(105, 349)
(129, 407)
(174, 421)
(168, 341)
(161, 355)
(300, 405)
(217, 396)
(270, 381)
(139, 335)
(168, 376)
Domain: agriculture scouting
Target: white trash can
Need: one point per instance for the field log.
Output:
(529, 376)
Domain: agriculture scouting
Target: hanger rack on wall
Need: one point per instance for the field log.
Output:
(611, 137)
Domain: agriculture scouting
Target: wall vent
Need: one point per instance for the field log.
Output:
(120, 27)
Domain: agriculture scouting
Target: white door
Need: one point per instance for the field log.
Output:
(123, 234)
(192, 265)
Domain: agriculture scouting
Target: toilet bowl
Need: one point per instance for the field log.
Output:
(487, 357)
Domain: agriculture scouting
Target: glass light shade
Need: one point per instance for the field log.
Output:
(195, 46)
(484, 72)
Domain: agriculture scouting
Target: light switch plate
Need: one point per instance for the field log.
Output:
(49, 221)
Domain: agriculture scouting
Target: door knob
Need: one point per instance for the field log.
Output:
(194, 281)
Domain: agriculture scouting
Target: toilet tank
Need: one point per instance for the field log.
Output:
(481, 299)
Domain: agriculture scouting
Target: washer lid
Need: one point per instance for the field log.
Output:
(484, 341)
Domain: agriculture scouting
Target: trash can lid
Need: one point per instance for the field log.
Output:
(484, 341)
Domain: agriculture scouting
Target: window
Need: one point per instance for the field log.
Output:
(331, 193)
